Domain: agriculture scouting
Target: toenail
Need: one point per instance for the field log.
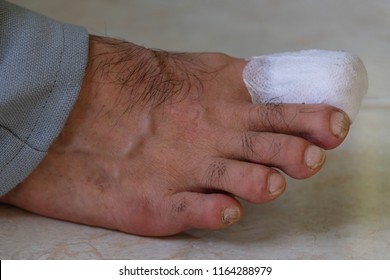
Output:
(339, 124)
(314, 157)
(275, 184)
(231, 215)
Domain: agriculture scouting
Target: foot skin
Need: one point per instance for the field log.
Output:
(159, 143)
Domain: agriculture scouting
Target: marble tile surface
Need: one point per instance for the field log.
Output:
(341, 213)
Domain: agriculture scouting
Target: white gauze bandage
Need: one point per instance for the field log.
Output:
(336, 78)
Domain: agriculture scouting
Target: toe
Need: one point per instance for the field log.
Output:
(295, 156)
(252, 182)
(204, 211)
(321, 124)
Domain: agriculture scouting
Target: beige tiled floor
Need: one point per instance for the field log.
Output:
(341, 213)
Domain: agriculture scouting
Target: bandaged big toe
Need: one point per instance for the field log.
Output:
(336, 78)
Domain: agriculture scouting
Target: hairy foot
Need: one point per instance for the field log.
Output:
(160, 142)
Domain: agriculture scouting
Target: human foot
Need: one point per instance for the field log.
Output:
(160, 142)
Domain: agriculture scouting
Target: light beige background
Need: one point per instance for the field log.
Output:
(341, 213)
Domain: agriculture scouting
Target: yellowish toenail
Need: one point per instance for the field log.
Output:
(339, 124)
(276, 184)
(231, 215)
(314, 157)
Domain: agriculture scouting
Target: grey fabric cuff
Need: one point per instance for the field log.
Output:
(42, 64)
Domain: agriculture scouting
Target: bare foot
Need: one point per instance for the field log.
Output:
(160, 142)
